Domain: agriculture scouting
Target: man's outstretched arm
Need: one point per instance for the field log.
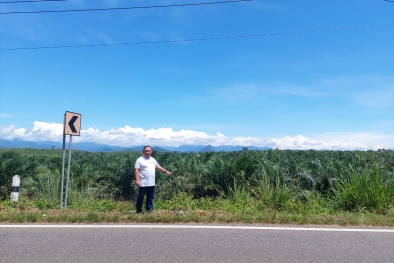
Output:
(161, 169)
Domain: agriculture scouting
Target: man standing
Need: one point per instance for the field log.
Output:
(144, 172)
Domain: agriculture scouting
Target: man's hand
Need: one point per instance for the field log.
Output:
(137, 177)
(161, 169)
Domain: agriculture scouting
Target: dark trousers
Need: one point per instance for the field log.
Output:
(150, 194)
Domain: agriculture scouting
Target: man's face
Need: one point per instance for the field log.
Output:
(147, 152)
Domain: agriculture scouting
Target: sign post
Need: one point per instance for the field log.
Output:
(72, 127)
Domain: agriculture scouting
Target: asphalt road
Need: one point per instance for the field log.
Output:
(166, 243)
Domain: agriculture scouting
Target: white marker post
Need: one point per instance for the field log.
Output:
(16, 181)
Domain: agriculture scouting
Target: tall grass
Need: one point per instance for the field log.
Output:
(365, 190)
(48, 183)
(272, 191)
(274, 180)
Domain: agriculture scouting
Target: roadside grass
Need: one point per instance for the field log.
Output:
(265, 187)
(184, 209)
(364, 191)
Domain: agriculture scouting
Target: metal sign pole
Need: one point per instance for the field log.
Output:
(72, 126)
(62, 180)
(68, 171)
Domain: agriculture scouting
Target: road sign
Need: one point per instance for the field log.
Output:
(72, 123)
(72, 127)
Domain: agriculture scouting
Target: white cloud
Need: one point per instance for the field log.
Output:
(373, 140)
(107, 39)
(42, 131)
(366, 90)
(376, 98)
(303, 143)
(284, 88)
(238, 94)
(4, 115)
(128, 136)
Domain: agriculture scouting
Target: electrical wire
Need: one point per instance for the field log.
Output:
(121, 8)
(198, 39)
(30, 1)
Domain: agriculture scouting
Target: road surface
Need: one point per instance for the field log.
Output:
(193, 243)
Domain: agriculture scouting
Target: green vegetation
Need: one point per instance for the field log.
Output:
(275, 186)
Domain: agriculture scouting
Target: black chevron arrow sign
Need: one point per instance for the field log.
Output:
(72, 123)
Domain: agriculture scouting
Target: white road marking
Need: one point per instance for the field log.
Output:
(336, 229)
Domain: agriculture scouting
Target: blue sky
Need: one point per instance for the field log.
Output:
(305, 75)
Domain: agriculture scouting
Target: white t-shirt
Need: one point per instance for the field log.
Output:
(146, 168)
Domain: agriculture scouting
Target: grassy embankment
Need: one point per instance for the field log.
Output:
(270, 187)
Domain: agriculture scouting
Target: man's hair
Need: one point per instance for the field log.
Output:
(146, 146)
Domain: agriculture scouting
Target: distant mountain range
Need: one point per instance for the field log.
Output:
(95, 147)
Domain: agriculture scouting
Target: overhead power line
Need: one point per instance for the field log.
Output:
(121, 8)
(197, 39)
(30, 1)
